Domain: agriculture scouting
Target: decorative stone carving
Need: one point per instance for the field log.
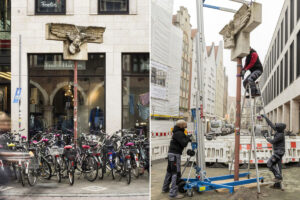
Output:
(240, 19)
(75, 38)
(236, 34)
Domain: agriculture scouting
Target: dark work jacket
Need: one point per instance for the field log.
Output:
(179, 141)
(278, 142)
(257, 65)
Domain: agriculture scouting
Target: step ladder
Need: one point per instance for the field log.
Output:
(256, 108)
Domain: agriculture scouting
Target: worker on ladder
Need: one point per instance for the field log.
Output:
(278, 142)
(178, 142)
(253, 64)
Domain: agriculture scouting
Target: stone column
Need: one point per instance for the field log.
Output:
(48, 115)
(275, 115)
(279, 114)
(294, 116)
(286, 115)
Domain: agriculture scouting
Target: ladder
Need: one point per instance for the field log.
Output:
(256, 107)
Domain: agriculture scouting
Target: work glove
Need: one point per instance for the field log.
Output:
(243, 72)
(190, 138)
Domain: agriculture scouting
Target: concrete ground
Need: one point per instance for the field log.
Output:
(82, 189)
(291, 184)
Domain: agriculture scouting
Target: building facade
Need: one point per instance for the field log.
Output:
(113, 85)
(182, 20)
(166, 55)
(209, 81)
(281, 78)
(220, 82)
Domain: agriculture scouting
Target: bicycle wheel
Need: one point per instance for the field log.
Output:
(58, 169)
(71, 173)
(91, 168)
(135, 169)
(100, 168)
(21, 176)
(128, 175)
(32, 176)
(46, 171)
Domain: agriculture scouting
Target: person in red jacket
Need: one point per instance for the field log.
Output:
(254, 65)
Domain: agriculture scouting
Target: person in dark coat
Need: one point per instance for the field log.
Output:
(254, 65)
(278, 142)
(178, 142)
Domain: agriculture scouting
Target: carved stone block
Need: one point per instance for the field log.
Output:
(75, 38)
(242, 46)
(255, 19)
(236, 34)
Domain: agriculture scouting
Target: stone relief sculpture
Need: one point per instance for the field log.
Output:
(75, 38)
(240, 20)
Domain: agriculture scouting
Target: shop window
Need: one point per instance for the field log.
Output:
(135, 91)
(51, 94)
(113, 6)
(5, 65)
(50, 7)
(5, 16)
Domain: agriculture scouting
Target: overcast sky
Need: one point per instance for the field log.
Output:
(215, 20)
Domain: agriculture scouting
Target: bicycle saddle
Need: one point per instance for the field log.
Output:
(85, 146)
(68, 147)
(129, 144)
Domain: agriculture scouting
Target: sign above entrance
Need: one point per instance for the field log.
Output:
(64, 65)
(17, 95)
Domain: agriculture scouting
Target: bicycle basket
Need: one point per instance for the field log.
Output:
(33, 164)
(70, 154)
(53, 151)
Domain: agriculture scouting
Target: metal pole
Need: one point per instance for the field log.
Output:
(241, 1)
(75, 102)
(19, 86)
(220, 8)
(238, 119)
(200, 99)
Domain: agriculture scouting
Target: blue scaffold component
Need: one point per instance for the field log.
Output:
(208, 184)
(194, 145)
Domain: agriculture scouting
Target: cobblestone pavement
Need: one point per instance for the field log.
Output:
(291, 184)
(82, 189)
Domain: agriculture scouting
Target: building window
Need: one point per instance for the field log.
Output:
(50, 7)
(113, 6)
(298, 52)
(281, 36)
(278, 43)
(286, 70)
(292, 16)
(292, 63)
(298, 10)
(286, 26)
(5, 16)
(281, 75)
(135, 92)
(278, 80)
(5, 63)
(51, 95)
